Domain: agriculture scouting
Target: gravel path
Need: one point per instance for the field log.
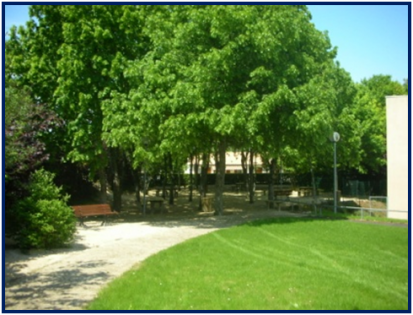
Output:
(67, 279)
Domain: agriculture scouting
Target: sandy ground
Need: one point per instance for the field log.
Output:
(67, 279)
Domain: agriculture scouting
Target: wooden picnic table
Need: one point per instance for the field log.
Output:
(153, 201)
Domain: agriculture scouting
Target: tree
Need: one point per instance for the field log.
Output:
(327, 105)
(44, 218)
(23, 151)
(219, 73)
(165, 82)
(406, 86)
(76, 58)
(371, 111)
(26, 125)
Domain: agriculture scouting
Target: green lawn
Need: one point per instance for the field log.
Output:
(281, 264)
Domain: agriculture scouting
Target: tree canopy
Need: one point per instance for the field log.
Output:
(162, 83)
(216, 74)
(370, 109)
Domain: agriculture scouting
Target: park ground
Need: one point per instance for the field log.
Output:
(69, 278)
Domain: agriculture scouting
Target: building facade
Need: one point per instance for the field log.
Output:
(397, 115)
(234, 164)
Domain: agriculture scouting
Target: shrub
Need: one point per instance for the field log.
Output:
(46, 220)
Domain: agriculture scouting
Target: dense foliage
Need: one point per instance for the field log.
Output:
(26, 125)
(370, 110)
(44, 220)
(143, 88)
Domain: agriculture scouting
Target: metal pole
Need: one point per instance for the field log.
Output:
(335, 178)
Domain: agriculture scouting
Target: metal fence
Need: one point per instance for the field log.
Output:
(321, 204)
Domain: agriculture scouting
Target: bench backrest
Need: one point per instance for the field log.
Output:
(85, 210)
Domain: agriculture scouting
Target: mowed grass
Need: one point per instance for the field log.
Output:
(282, 264)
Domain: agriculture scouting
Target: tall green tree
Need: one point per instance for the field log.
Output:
(371, 111)
(76, 58)
(26, 123)
(219, 73)
(327, 106)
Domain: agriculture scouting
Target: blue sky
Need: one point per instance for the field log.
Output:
(371, 39)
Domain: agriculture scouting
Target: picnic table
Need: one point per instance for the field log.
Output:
(158, 191)
(153, 201)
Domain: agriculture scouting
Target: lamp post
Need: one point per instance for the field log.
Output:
(335, 138)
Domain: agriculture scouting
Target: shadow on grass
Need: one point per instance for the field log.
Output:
(289, 220)
(327, 217)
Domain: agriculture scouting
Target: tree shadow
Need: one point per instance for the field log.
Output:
(14, 255)
(187, 214)
(290, 220)
(15, 260)
(26, 288)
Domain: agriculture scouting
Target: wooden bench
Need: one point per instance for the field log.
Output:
(85, 211)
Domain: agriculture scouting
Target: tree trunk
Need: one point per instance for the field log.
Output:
(137, 182)
(251, 182)
(190, 178)
(244, 166)
(145, 190)
(116, 183)
(172, 177)
(203, 185)
(271, 184)
(314, 188)
(165, 177)
(220, 177)
(196, 169)
(103, 180)
(204, 174)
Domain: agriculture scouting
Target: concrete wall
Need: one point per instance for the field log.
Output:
(397, 156)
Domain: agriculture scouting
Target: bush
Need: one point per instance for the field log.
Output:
(46, 221)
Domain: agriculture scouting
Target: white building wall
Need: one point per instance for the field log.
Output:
(233, 163)
(397, 156)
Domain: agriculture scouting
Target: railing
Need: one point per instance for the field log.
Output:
(319, 205)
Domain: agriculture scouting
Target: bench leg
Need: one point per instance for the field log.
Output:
(81, 223)
(104, 221)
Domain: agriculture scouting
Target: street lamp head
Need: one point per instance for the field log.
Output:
(335, 137)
